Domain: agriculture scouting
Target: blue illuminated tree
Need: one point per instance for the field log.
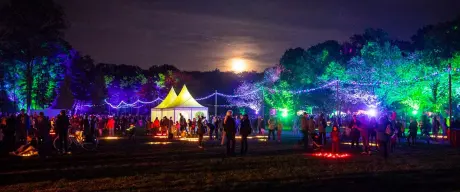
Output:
(32, 29)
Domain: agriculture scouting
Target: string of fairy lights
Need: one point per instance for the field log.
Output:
(137, 103)
(308, 90)
(123, 104)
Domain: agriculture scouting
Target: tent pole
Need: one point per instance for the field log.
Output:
(450, 96)
(215, 104)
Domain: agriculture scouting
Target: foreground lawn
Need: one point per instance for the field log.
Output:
(122, 165)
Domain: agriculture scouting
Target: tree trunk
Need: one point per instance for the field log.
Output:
(29, 81)
(29, 78)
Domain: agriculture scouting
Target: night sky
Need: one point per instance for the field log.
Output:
(206, 34)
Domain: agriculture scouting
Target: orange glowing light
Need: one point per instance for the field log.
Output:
(29, 154)
(109, 138)
(370, 144)
(332, 155)
(189, 139)
(439, 137)
(158, 143)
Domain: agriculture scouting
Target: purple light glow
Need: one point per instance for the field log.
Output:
(372, 112)
(123, 104)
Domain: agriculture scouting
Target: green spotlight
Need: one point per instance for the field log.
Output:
(284, 112)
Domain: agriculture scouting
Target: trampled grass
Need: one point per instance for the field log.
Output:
(122, 165)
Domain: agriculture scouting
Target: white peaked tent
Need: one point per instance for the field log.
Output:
(158, 110)
(174, 105)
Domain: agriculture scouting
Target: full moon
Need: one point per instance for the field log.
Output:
(238, 65)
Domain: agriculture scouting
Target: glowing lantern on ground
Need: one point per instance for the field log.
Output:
(332, 155)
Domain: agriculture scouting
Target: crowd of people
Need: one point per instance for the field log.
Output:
(215, 127)
(34, 132)
(190, 127)
(31, 134)
(24, 133)
(385, 131)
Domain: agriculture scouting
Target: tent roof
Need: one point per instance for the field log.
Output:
(168, 100)
(184, 99)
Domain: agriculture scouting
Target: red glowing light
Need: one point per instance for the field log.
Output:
(331, 155)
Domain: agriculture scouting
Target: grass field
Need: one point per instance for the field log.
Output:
(122, 165)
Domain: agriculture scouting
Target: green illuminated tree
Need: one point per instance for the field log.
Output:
(376, 63)
(302, 69)
(279, 97)
(431, 93)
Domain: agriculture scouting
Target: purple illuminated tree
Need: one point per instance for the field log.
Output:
(149, 91)
(82, 79)
(272, 75)
(252, 98)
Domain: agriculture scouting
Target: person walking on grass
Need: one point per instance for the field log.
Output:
(237, 123)
(43, 127)
(131, 131)
(223, 136)
(156, 125)
(23, 126)
(305, 130)
(212, 127)
(245, 130)
(9, 131)
(260, 125)
(177, 127)
(279, 130)
(93, 126)
(412, 132)
(311, 129)
(322, 128)
(426, 128)
(182, 122)
(62, 128)
(272, 123)
(230, 130)
(335, 136)
(111, 126)
(194, 126)
(399, 130)
(372, 127)
(436, 127)
(217, 127)
(355, 124)
(170, 128)
(383, 135)
(364, 132)
(200, 132)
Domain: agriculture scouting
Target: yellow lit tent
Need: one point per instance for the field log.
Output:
(157, 112)
(173, 106)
